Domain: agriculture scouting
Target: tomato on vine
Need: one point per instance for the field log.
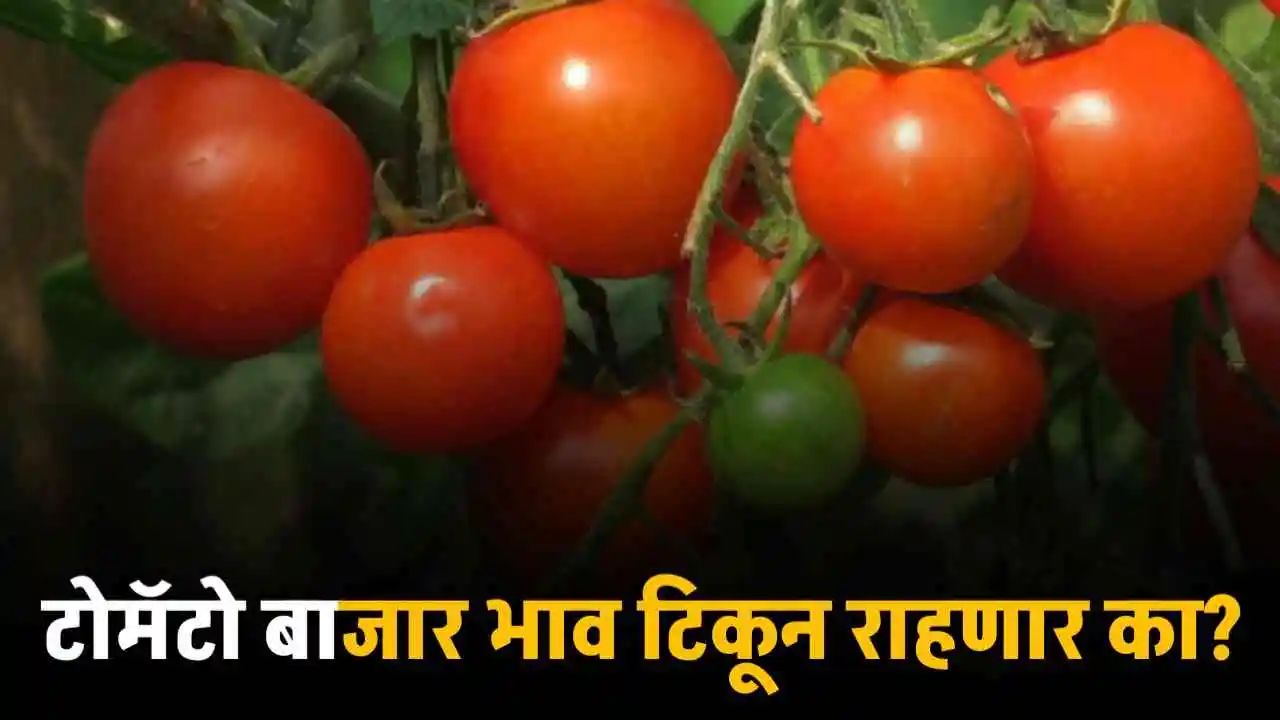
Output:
(1132, 209)
(790, 437)
(540, 489)
(916, 181)
(1251, 283)
(951, 397)
(588, 130)
(1272, 5)
(1241, 439)
(442, 342)
(822, 298)
(220, 206)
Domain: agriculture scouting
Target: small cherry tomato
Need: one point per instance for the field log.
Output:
(220, 205)
(1251, 283)
(1122, 220)
(1272, 5)
(950, 397)
(540, 489)
(588, 130)
(917, 181)
(791, 437)
(822, 298)
(444, 341)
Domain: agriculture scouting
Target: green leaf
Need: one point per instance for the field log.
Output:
(1245, 28)
(197, 408)
(119, 60)
(1267, 54)
(398, 19)
(950, 18)
(724, 16)
(1262, 99)
(1266, 217)
(634, 307)
(37, 19)
(107, 49)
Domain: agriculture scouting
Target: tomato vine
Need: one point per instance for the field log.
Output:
(958, 251)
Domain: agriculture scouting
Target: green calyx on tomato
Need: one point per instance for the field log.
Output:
(790, 436)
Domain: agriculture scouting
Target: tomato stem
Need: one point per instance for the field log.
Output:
(814, 64)
(991, 30)
(317, 75)
(244, 47)
(793, 87)
(697, 240)
(1058, 30)
(626, 501)
(1056, 15)
(800, 250)
(428, 106)
(1089, 433)
(627, 498)
(1231, 354)
(1117, 13)
(1184, 445)
(901, 18)
(294, 17)
(525, 10)
(594, 302)
(774, 187)
(843, 340)
(858, 54)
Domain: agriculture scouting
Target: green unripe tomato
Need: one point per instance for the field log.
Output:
(791, 436)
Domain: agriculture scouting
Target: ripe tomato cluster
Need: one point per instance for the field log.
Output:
(227, 214)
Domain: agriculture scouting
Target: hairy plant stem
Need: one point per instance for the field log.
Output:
(1116, 15)
(800, 250)
(1058, 15)
(626, 502)
(912, 36)
(697, 239)
(814, 64)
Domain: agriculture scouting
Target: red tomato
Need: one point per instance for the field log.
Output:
(917, 182)
(737, 277)
(1241, 440)
(1272, 5)
(539, 490)
(588, 130)
(1122, 218)
(1251, 282)
(950, 397)
(220, 206)
(444, 341)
